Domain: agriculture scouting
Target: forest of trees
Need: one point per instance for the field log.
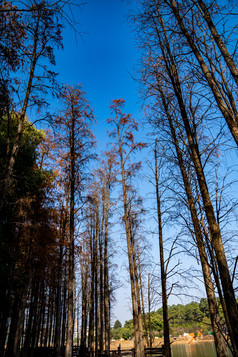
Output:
(60, 199)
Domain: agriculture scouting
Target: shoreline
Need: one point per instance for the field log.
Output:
(128, 344)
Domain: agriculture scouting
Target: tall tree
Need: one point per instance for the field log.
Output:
(26, 213)
(125, 146)
(74, 124)
(189, 22)
(95, 255)
(163, 272)
(170, 78)
(39, 32)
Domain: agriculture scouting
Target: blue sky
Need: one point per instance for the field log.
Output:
(102, 59)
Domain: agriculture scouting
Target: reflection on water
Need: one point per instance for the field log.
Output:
(205, 349)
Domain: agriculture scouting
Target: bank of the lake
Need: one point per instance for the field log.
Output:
(180, 347)
(127, 344)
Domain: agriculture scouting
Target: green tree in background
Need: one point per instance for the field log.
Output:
(117, 324)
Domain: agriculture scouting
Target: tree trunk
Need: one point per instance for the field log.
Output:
(138, 296)
(58, 304)
(91, 305)
(142, 303)
(149, 311)
(84, 283)
(101, 295)
(97, 234)
(58, 341)
(70, 314)
(105, 272)
(64, 313)
(138, 333)
(167, 349)
(33, 306)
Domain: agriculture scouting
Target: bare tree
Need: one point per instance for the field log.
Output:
(163, 272)
(125, 147)
(75, 119)
(95, 255)
(167, 76)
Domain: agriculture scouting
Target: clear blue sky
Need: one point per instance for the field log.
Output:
(103, 59)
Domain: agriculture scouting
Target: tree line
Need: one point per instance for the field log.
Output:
(190, 318)
(57, 213)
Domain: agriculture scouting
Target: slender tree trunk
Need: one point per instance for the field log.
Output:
(91, 306)
(138, 295)
(105, 272)
(78, 317)
(101, 314)
(167, 348)
(97, 233)
(41, 309)
(14, 326)
(33, 306)
(149, 311)
(43, 318)
(214, 269)
(70, 315)
(46, 333)
(58, 341)
(142, 303)
(139, 346)
(64, 313)
(51, 314)
(84, 283)
(58, 304)
(4, 323)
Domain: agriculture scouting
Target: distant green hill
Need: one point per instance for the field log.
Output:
(192, 317)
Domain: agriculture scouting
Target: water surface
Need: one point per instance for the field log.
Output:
(203, 349)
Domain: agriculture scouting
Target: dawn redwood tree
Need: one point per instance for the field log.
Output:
(91, 276)
(125, 147)
(216, 238)
(107, 175)
(40, 302)
(75, 151)
(188, 16)
(27, 238)
(50, 160)
(168, 77)
(163, 272)
(39, 32)
(11, 37)
(199, 239)
(205, 12)
(95, 257)
(63, 230)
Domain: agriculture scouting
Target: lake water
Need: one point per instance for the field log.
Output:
(204, 349)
